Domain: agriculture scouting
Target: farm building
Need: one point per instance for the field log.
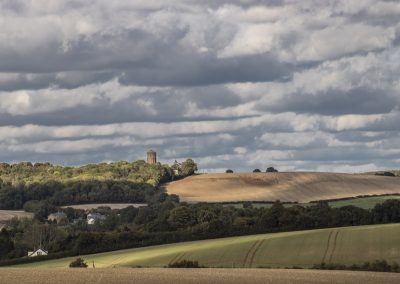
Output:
(59, 218)
(38, 252)
(93, 217)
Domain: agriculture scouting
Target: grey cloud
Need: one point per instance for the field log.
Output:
(337, 102)
(189, 71)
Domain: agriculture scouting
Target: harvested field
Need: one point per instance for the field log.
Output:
(111, 205)
(346, 245)
(9, 214)
(297, 186)
(189, 276)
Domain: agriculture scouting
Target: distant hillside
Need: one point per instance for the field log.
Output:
(138, 171)
(296, 186)
(40, 187)
(347, 245)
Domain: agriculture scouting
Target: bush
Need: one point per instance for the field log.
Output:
(256, 171)
(79, 262)
(229, 171)
(185, 264)
(271, 170)
(377, 265)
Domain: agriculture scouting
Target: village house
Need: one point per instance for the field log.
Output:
(93, 217)
(59, 218)
(38, 252)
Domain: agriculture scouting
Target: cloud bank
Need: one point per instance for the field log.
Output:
(243, 84)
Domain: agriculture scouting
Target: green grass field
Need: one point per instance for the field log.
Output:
(362, 202)
(346, 245)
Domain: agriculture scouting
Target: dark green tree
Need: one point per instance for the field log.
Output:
(189, 167)
(6, 243)
(181, 217)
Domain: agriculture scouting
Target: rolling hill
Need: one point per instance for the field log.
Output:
(295, 186)
(347, 245)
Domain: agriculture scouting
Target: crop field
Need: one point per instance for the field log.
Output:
(111, 205)
(190, 276)
(348, 245)
(362, 202)
(302, 187)
(9, 214)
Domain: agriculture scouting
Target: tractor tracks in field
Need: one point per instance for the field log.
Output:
(177, 258)
(327, 247)
(330, 246)
(334, 245)
(251, 253)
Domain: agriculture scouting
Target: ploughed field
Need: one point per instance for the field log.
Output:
(345, 245)
(188, 276)
(295, 186)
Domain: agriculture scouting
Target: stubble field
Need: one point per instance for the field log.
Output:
(9, 214)
(295, 186)
(190, 276)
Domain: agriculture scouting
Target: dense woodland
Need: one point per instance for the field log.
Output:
(30, 187)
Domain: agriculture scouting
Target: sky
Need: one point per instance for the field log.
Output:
(299, 85)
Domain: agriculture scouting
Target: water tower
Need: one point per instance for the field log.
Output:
(151, 157)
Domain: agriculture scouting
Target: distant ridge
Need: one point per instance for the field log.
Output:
(285, 186)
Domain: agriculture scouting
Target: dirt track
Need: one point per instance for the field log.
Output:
(298, 186)
(190, 276)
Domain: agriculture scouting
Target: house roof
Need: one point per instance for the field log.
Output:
(39, 249)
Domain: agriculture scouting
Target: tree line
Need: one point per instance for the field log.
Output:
(170, 221)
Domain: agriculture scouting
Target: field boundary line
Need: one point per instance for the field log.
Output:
(248, 252)
(255, 252)
(327, 247)
(334, 246)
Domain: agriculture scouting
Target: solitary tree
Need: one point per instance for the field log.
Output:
(229, 171)
(271, 170)
(189, 167)
(256, 171)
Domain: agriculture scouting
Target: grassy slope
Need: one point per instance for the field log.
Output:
(362, 202)
(303, 248)
(296, 186)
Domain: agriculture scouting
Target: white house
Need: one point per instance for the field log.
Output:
(93, 217)
(37, 252)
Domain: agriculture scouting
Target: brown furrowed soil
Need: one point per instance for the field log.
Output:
(111, 205)
(294, 186)
(189, 276)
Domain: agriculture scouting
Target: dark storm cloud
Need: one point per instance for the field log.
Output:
(190, 69)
